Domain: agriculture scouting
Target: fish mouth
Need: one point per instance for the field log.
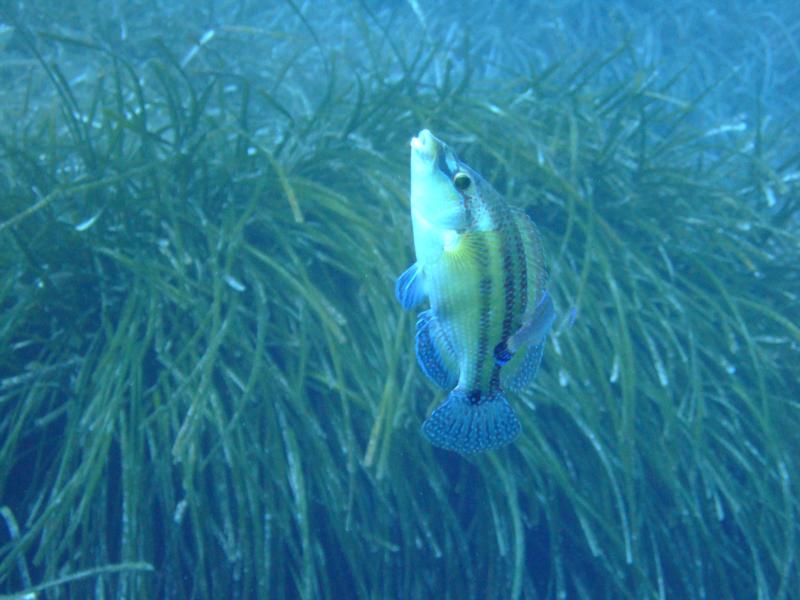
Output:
(424, 144)
(424, 149)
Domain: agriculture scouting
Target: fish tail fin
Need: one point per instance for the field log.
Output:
(464, 425)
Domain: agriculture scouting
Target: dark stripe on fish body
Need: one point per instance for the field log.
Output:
(485, 297)
(506, 243)
(498, 216)
(505, 228)
(485, 324)
(514, 282)
(523, 271)
(519, 241)
(516, 273)
(514, 276)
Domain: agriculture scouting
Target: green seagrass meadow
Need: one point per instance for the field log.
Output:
(208, 389)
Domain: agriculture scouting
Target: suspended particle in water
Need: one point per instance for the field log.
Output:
(614, 370)
(234, 283)
(180, 510)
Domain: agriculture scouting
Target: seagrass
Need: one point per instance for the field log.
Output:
(207, 388)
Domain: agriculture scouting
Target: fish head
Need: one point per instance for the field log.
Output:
(441, 185)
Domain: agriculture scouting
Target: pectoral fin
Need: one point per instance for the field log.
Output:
(410, 287)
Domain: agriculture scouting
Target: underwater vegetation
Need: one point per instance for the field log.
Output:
(208, 389)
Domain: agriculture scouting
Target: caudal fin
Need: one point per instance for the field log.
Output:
(464, 426)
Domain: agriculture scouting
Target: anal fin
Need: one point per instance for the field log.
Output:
(434, 355)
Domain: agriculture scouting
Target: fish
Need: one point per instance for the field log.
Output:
(480, 268)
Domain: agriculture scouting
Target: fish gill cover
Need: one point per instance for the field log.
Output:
(207, 389)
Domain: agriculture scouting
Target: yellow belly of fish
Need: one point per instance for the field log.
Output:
(466, 293)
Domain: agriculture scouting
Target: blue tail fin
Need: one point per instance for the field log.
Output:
(464, 426)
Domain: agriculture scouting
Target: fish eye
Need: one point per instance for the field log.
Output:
(462, 181)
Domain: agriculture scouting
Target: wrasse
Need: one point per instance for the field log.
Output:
(480, 266)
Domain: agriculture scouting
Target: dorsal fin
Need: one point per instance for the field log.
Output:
(535, 327)
(518, 372)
